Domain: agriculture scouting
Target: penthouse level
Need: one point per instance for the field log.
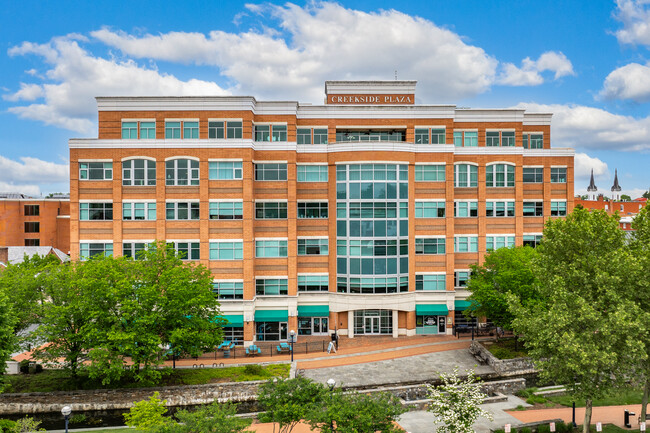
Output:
(362, 217)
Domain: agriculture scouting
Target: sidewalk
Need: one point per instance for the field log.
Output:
(603, 414)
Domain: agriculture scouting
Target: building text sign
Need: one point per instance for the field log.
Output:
(371, 99)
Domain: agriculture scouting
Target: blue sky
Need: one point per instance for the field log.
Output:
(585, 61)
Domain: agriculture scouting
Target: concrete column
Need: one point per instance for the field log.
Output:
(395, 324)
(350, 324)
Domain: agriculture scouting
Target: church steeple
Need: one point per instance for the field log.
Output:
(592, 186)
(616, 188)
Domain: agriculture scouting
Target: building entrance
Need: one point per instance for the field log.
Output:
(373, 322)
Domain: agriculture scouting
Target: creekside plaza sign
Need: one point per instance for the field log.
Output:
(404, 99)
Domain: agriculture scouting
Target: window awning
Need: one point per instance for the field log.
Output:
(313, 311)
(234, 320)
(431, 310)
(462, 305)
(271, 316)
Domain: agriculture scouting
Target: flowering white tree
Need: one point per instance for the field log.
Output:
(456, 402)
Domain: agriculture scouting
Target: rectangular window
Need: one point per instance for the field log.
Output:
(312, 210)
(32, 242)
(496, 242)
(430, 282)
(533, 141)
(500, 209)
(430, 246)
(422, 136)
(225, 170)
(312, 247)
(532, 240)
(429, 173)
(133, 249)
(88, 250)
(271, 171)
(181, 172)
(226, 210)
(228, 290)
(188, 250)
(465, 176)
(271, 248)
(279, 132)
(507, 138)
(32, 227)
(558, 174)
(271, 286)
(138, 172)
(172, 130)
(429, 209)
(303, 136)
(458, 139)
(268, 210)
(466, 244)
(95, 211)
(129, 130)
(533, 175)
(492, 138)
(438, 136)
(262, 132)
(558, 208)
(311, 173)
(234, 129)
(533, 208)
(139, 211)
(461, 279)
(147, 130)
(95, 171)
(470, 139)
(182, 210)
(499, 176)
(320, 136)
(313, 283)
(190, 130)
(32, 210)
(226, 250)
(216, 130)
(465, 209)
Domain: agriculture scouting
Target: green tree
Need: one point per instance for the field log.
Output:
(7, 336)
(289, 401)
(214, 418)
(148, 415)
(584, 330)
(625, 197)
(646, 195)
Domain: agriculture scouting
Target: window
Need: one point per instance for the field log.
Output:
(558, 208)
(92, 249)
(558, 174)
(32, 242)
(147, 130)
(271, 171)
(465, 209)
(234, 130)
(430, 282)
(271, 286)
(181, 172)
(226, 210)
(138, 172)
(227, 250)
(228, 290)
(95, 211)
(303, 136)
(279, 132)
(430, 246)
(533, 175)
(311, 173)
(438, 136)
(32, 210)
(133, 249)
(492, 138)
(268, 210)
(496, 242)
(461, 279)
(216, 130)
(466, 244)
(532, 240)
(190, 130)
(356, 135)
(429, 209)
(320, 136)
(500, 138)
(421, 136)
(32, 227)
(271, 248)
(312, 210)
(188, 250)
(138, 211)
(270, 132)
(172, 130)
(533, 208)
(500, 209)
(313, 283)
(465, 138)
(225, 170)
(533, 141)
(129, 130)
(312, 247)
(465, 176)
(499, 175)
(95, 170)
(429, 173)
(507, 138)
(182, 210)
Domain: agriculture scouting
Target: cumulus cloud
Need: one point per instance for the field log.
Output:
(635, 17)
(530, 72)
(585, 163)
(23, 176)
(631, 81)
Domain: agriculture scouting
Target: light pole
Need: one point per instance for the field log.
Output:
(292, 339)
(66, 411)
(331, 382)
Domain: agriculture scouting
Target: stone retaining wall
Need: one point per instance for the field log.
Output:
(503, 367)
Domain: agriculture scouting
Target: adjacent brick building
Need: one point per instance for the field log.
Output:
(361, 215)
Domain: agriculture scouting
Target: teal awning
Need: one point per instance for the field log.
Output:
(234, 320)
(271, 316)
(313, 311)
(462, 305)
(431, 310)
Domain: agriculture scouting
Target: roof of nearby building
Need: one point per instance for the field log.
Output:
(13, 195)
(17, 254)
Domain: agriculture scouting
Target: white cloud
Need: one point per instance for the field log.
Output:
(27, 92)
(635, 17)
(32, 170)
(530, 72)
(30, 190)
(585, 163)
(631, 81)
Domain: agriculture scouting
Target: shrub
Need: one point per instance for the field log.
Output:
(544, 428)
(525, 393)
(6, 425)
(254, 370)
(24, 366)
(38, 368)
(534, 399)
(26, 425)
(525, 430)
(499, 430)
(147, 415)
(561, 427)
(77, 418)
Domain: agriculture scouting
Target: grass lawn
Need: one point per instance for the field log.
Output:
(505, 349)
(59, 380)
(623, 396)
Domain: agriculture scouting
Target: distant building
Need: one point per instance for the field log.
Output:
(15, 255)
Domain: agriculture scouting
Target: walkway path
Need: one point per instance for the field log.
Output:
(603, 414)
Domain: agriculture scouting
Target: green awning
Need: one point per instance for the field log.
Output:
(431, 310)
(234, 320)
(462, 305)
(313, 311)
(271, 315)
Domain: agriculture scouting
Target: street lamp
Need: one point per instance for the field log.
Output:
(66, 411)
(331, 382)
(292, 339)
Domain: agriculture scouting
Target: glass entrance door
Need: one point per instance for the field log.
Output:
(372, 325)
(320, 325)
(442, 320)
